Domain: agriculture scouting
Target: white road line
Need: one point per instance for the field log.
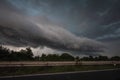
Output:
(59, 73)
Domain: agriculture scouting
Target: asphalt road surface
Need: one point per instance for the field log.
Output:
(85, 75)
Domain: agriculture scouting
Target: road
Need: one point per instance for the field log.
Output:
(84, 75)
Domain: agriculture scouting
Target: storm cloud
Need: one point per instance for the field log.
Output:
(72, 25)
(30, 32)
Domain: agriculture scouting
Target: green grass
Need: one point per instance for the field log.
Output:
(12, 71)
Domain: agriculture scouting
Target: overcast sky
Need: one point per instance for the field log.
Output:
(87, 27)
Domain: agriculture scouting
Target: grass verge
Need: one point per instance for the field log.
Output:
(12, 71)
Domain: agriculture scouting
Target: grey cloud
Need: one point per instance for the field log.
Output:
(111, 31)
(59, 24)
(19, 30)
(109, 36)
(112, 48)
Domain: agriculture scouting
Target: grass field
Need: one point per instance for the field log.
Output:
(12, 71)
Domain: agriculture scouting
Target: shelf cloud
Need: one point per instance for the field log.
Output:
(77, 26)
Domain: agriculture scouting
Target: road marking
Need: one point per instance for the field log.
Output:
(30, 75)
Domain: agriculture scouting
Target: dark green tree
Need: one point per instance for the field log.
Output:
(29, 53)
(115, 58)
(103, 58)
(66, 57)
(43, 57)
(4, 53)
(52, 57)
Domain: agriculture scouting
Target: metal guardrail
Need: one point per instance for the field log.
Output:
(56, 63)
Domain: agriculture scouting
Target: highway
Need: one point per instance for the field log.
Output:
(83, 75)
(56, 63)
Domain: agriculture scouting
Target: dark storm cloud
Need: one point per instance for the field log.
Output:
(38, 34)
(111, 31)
(60, 24)
(25, 30)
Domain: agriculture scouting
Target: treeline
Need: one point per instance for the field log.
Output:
(55, 57)
(10, 55)
(27, 55)
(100, 58)
(68, 57)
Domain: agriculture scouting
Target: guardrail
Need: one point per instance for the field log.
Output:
(56, 63)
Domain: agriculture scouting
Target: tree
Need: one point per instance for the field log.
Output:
(4, 53)
(84, 59)
(115, 58)
(77, 60)
(103, 58)
(29, 52)
(91, 58)
(43, 57)
(37, 58)
(52, 57)
(66, 57)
